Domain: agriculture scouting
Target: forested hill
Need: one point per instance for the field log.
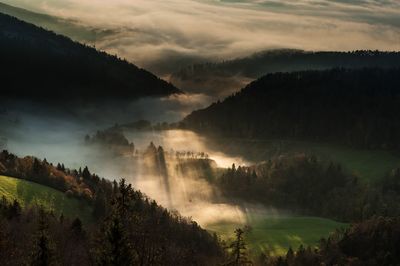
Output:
(359, 108)
(231, 75)
(36, 63)
(129, 227)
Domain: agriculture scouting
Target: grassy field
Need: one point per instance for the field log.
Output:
(29, 193)
(368, 165)
(276, 234)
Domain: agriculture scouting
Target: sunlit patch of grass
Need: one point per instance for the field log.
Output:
(29, 193)
(368, 165)
(274, 235)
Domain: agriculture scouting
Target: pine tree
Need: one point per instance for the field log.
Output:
(86, 173)
(238, 247)
(115, 247)
(42, 254)
(123, 196)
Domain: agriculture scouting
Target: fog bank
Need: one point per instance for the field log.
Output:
(163, 36)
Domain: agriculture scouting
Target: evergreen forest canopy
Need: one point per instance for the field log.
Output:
(221, 78)
(39, 64)
(309, 186)
(359, 108)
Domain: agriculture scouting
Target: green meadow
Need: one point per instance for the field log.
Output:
(28, 193)
(368, 165)
(275, 234)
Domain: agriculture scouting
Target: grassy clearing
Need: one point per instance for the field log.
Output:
(29, 193)
(275, 234)
(368, 165)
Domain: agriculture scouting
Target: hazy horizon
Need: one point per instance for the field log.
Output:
(164, 35)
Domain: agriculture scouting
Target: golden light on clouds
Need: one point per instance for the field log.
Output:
(153, 32)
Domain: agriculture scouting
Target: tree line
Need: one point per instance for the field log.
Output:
(309, 186)
(222, 78)
(80, 183)
(355, 107)
(113, 139)
(134, 231)
(372, 242)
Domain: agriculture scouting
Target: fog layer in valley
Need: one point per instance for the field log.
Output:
(59, 137)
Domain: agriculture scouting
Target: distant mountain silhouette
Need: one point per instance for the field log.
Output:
(36, 63)
(355, 107)
(222, 79)
(68, 27)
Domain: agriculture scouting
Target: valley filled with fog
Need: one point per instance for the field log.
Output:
(200, 132)
(60, 137)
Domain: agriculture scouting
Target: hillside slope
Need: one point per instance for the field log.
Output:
(40, 64)
(28, 193)
(223, 78)
(153, 233)
(67, 27)
(358, 108)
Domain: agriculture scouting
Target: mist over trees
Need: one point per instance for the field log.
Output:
(223, 78)
(113, 139)
(306, 185)
(128, 228)
(346, 98)
(137, 229)
(358, 108)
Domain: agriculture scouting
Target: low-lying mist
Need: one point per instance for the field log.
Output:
(178, 182)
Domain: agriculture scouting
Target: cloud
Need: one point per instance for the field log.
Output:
(164, 35)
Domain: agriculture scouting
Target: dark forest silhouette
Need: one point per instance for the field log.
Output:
(359, 108)
(39, 64)
(221, 78)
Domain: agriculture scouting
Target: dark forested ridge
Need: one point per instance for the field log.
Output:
(36, 63)
(231, 75)
(359, 108)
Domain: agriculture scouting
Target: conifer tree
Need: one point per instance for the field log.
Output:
(238, 247)
(42, 254)
(116, 248)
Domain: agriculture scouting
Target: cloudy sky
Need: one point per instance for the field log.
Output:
(158, 34)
